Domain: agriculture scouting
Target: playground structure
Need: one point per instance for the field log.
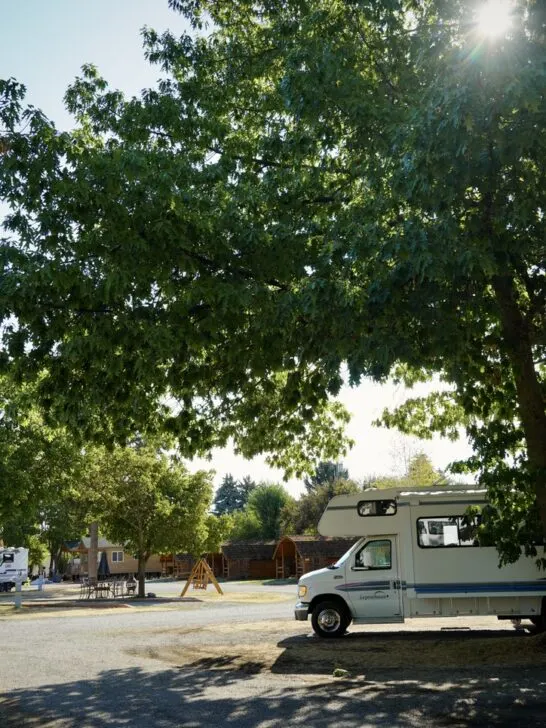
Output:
(200, 577)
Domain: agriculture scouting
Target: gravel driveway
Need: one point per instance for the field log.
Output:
(249, 664)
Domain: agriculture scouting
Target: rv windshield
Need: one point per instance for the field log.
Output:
(346, 555)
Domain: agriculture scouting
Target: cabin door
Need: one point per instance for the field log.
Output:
(373, 581)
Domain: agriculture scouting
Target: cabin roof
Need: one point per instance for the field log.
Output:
(319, 546)
(103, 543)
(73, 545)
(257, 550)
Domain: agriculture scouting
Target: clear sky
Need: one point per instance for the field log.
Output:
(44, 44)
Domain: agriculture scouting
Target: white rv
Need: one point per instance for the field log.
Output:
(13, 567)
(416, 556)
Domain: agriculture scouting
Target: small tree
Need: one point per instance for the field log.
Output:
(261, 519)
(37, 552)
(420, 472)
(149, 503)
(218, 530)
(245, 526)
(266, 503)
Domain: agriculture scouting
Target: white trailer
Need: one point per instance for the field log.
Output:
(13, 567)
(417, 555)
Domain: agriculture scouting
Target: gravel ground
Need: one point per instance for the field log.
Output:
(249, 664)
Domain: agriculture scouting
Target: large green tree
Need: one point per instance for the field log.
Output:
(314, 184)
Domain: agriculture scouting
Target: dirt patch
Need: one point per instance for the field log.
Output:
(255, 647)
(53, 611)
(238, 597)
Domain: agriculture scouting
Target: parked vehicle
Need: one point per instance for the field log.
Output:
(417, 555)
(13, 567)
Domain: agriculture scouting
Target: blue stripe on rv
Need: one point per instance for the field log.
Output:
(462, 588)
(364, 586)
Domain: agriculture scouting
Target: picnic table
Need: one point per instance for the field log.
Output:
(106, 588)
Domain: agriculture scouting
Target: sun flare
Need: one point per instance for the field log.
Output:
(494, 18)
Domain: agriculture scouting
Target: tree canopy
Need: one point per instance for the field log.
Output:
(312, 186)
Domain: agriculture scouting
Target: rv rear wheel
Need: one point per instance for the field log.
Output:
(330, 619)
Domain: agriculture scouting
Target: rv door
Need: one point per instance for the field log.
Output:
(373, 581)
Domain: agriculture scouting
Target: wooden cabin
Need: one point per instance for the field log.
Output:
(296, 555)
(249, 560)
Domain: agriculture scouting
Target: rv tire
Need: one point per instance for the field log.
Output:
(330, 619)
(539, 623)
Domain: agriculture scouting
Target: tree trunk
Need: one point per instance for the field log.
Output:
(531, 403)
(93, 552)
(142, 559)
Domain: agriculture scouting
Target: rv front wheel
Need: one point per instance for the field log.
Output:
(329, 619)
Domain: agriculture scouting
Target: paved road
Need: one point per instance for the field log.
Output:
(108, 669)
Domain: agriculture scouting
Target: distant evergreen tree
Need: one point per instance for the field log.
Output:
(232, 495)
(326, 472)
(302, 516)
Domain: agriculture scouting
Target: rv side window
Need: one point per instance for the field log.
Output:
(374, 555)
(447, 531)
(376, 507)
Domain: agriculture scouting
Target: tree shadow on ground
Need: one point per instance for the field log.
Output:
(211, 693)
(361, 652)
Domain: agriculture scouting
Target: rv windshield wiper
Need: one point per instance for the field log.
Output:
(332, 566)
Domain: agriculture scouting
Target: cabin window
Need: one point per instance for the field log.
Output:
(438, 531)
(376, 508)
(117, 557)
(374, 555)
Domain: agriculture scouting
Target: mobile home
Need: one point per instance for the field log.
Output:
(13, 567)
(416, 555)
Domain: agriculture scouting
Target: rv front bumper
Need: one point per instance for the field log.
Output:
(301, 612)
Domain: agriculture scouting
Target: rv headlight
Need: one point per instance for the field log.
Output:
(302, 590)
